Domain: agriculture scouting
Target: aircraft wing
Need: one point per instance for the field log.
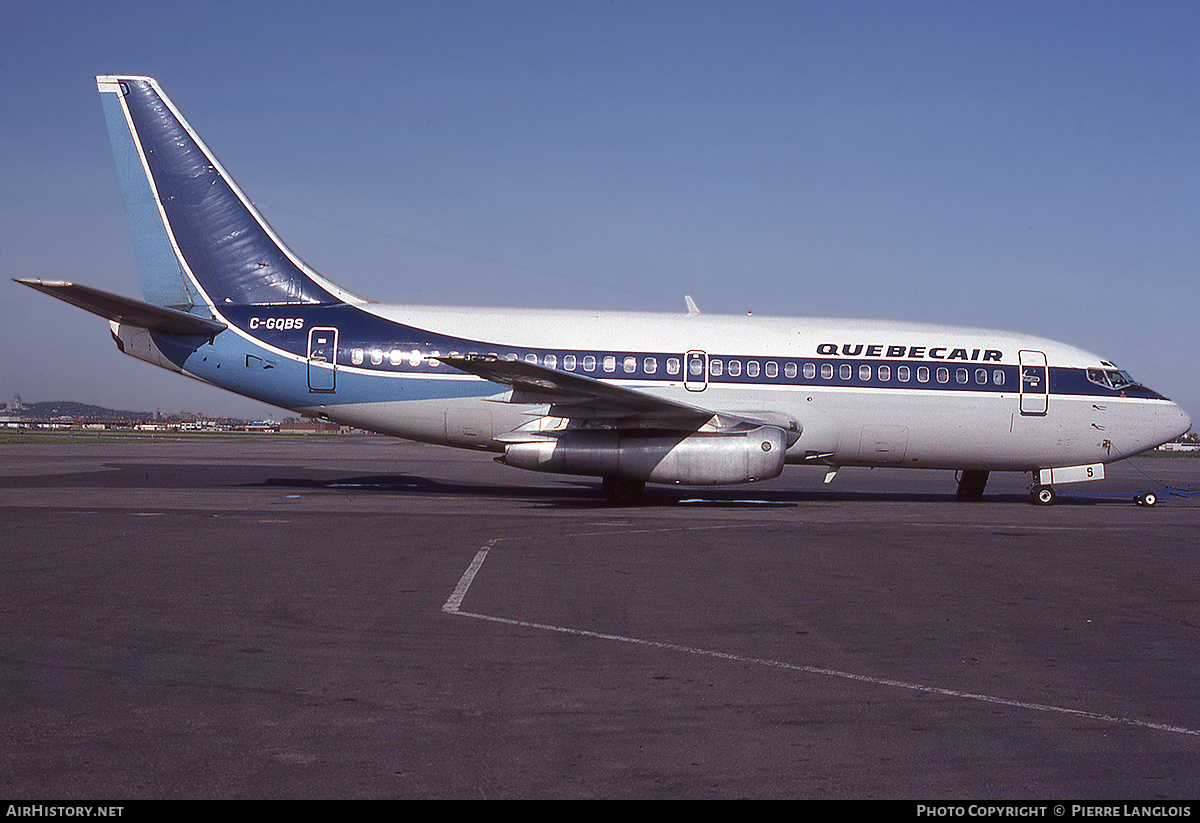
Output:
(578, 396)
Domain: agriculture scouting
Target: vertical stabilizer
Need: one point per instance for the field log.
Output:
(197, 238)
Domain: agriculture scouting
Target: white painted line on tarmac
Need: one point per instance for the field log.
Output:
(464, 582)
(454, 603)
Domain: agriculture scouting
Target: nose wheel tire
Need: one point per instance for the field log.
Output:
(1147, 499)
(1042, 495)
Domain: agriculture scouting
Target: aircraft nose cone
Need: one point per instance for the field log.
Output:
(1157, 423)
(1170, 422)
(1179, 422)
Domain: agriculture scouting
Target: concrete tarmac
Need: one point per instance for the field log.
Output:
(262, 617)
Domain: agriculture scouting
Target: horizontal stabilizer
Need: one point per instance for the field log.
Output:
(127, 311)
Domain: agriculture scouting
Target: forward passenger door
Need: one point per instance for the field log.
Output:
(1035, 383)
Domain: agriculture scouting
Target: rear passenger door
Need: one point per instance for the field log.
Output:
(322, 360)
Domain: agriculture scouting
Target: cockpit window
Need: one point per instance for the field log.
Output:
(1110, 378)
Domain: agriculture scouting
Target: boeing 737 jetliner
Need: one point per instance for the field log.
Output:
(633, 398)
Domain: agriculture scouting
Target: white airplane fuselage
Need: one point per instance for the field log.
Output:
(971, 415)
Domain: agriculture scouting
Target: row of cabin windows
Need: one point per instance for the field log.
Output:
(716, 367)
(629, 365)
(903, 374)
(395, 357)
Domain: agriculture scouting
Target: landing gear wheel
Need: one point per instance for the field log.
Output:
(1147, 499)
(621, 491)
(1042, 495)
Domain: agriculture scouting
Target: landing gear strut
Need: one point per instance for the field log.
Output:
(621, 491)
(971, 484)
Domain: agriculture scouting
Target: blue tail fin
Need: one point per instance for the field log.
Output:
(197, 237)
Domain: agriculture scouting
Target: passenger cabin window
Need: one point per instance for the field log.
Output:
(903, 374)
(672, 365)
(752, 368)
(922, 374)
(569, 362)
(810, 371)
(864, 372)
(771, 369)
(650, 365)
(943, 375)
(827, 371)
(789, 371)
(550, 361)
(845, 371)
(715, 367)
(589, 362)
(885, 373)
(356, 356)
(998, 377)
(376, 357)
(960, 375)
(610, 363)
(629, 364)
(735, 368)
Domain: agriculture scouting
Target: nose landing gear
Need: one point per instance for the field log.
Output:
(1042, 495)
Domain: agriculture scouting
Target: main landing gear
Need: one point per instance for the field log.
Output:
(621, 491)
(971, 484)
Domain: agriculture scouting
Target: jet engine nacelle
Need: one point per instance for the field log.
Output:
(702, 459)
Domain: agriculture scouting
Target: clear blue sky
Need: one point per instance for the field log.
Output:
(1020, 165)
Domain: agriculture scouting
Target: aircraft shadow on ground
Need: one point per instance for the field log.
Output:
(567, 493)
(586, 493)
